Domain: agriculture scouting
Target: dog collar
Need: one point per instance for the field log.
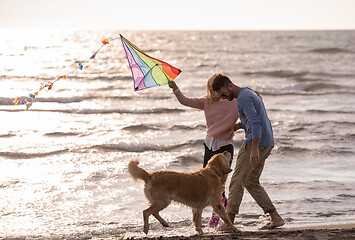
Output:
(219, 176)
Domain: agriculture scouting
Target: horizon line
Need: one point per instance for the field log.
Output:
(178, 29)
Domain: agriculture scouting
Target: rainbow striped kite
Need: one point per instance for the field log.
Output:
(147, 72)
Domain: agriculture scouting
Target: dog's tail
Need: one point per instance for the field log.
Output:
(137, 172)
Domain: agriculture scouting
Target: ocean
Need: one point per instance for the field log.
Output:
(63, 163)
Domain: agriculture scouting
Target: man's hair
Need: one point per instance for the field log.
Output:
(220, 80)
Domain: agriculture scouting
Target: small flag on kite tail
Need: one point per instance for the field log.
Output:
(147, 71)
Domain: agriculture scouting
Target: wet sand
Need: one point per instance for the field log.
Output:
(341, 231)
(181, 231)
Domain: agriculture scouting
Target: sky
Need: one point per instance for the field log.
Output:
(179, 14)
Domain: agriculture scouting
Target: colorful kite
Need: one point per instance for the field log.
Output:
(147, 72)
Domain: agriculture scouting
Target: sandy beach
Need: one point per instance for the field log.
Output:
(329, 231)
(341, 231)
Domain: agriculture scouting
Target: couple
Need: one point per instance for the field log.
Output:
(221, 117)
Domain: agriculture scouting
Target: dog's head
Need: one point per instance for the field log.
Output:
(220, 162)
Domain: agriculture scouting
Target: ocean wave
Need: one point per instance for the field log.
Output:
(301, 76)
(61, 134)
(308, 86)
(313, 88)
(320, 200)
(277, 74)
(351, 124)
(302, 92)
(187, 160)
(23, 155)
(10, 101)
(97, 176)
(7, 135)
(188, 128)
(101, 111)
(144, 147)
(140, 128)
(299, 129)
(66, 100)
(330, 214)
(110, 79)
(313, 111)
(308, 185)
(110, 111)
(38, 79)
(9, 184)
(321, 86)
(330, 50)
(309, 79)
(337, 151)
(146, 127)
(318, 111)
(76, 99)
(6, 101)
(285, 150)
(345, 196)
(333, 75)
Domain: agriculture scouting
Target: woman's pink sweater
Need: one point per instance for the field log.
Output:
(220, 116)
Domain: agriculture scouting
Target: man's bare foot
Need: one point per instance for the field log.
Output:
(272, 225)
(276, 221)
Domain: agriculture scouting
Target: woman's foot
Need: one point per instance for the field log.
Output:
(215, 219)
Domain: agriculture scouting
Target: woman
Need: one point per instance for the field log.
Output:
(221, 117)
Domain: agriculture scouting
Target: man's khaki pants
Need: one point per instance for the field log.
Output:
(246, 176)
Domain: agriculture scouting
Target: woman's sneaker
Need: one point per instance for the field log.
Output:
(215, 219)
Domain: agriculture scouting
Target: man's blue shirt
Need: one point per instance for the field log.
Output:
(253, 117)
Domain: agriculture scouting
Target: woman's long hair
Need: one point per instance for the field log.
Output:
(211, 95)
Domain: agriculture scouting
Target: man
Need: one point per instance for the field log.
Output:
(254, 151)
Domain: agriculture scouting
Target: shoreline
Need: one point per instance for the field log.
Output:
(326, 231)
(325, 226)
(331, 231)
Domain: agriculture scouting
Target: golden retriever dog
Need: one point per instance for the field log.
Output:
(196, 190)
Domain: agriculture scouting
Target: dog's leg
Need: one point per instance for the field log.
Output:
(196, 219)
(194, 216)
(160, 219)
(146, 213)
(219, 209)
(160, 205)
(154, 209)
